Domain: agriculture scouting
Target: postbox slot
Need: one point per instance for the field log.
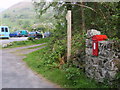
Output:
(94, 45)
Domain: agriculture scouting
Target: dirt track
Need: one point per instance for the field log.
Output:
(16, 74)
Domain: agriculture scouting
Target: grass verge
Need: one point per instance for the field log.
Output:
(37, 46)
(27, 43)
(66, 77)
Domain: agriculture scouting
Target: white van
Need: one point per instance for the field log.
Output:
(4, 32)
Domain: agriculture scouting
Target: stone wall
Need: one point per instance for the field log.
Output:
(106, 65)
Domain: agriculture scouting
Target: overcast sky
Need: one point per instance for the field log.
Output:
(7, 3)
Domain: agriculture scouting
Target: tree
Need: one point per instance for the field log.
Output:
(87, 15)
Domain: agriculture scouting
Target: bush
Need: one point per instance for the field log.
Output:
(30, 38)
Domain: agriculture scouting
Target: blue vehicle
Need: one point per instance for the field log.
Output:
(19, 33)
(14, 34)
(4, 32)
(23, 33)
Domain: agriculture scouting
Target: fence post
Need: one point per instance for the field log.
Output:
(68, 17)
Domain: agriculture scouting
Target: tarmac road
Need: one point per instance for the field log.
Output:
(15, 72)
(5, 41)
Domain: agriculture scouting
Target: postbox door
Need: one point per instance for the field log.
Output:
(95, 48)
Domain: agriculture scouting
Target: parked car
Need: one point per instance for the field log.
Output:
(13, 34)
(23, 33)
(47, 34)
(35, 34)
(19, 33)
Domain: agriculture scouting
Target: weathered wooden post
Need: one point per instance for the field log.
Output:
(68, 17)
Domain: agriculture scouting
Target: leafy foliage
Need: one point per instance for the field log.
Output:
(102, 16)
(66, 76)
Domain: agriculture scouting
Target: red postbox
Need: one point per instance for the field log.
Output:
(96, 39)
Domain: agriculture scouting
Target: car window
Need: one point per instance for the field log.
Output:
(32, 32)
(6, 29)
(2, 29)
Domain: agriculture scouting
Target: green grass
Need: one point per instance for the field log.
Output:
(27, 43)
(67, 77)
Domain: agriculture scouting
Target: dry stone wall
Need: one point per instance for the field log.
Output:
(106, 65)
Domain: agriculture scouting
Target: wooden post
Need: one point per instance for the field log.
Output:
(68, 17)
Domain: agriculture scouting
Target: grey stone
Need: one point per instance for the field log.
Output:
(88, 43)
(88, 51)
(95, 60)
(92, 32)
(118, 55)
(111, 65)
(106, 64)
(4, 45)
(98, 77)
(111, 75)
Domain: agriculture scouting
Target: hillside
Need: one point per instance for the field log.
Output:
(22, 15)
(19, 16)
(20, 10)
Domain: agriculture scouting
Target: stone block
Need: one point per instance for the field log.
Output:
(4, 45)
(94, 60)
(106, 49)
(90, 72)
(98, 77)
(118, 55)
(106, 45)
(116, 63)
(95, 67)
(110, 65)
(106, 64)
(88, 43)
(110, 75)
(103, 72)
(92, 32)
(88, 51)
